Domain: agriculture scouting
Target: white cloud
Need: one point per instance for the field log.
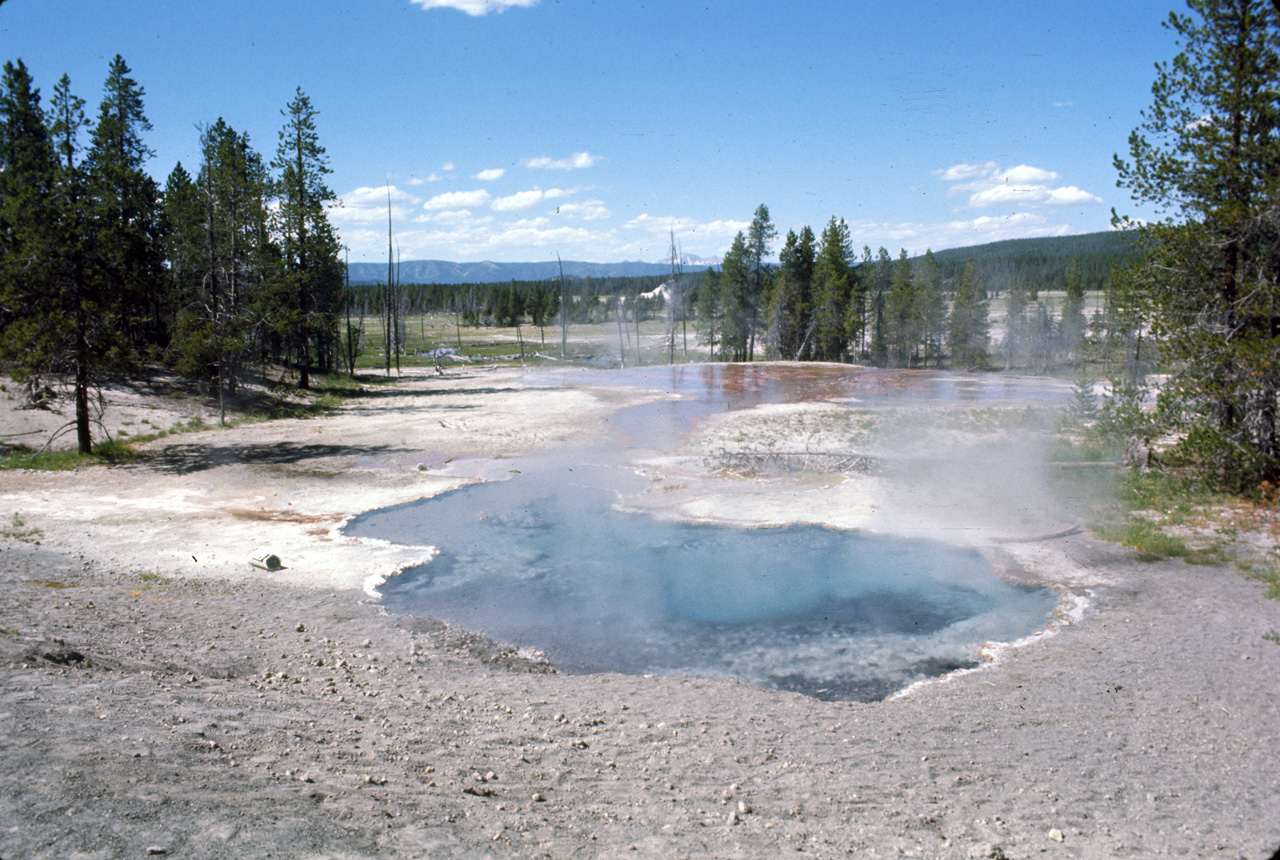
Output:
(459, 200)
(416, 181)
(1070, 195)
(522, 200)
(1025, 173)
(988, 186)
(966, 171)
(447, 216)
(474, 7)
(576, 161)
(998, 195)
(490, 175)
(663, 226)
(369, 204)
(447, 166)
(587, 210)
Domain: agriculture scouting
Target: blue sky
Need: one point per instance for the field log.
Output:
(513, 130)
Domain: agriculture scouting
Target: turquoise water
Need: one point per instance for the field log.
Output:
(547, 560)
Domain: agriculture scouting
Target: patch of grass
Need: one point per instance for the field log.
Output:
(117, 450)
(150, 576)
(1179, 498)
(43, 461)
(1153, 543)
(1272, 636)
(17, 529)
(1268, 573)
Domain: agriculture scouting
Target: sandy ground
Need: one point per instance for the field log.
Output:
(160, 696)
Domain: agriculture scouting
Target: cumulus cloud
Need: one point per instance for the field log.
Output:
(966, 171)
(490, 175)
(367, 204)
(587, 210)
(474, 7)
(577, 161)
(988, 186)
(702, 230)
(522, 200)
(446, 216)
(459, 200)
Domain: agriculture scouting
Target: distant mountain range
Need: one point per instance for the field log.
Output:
(444, 272)
(1097, 252)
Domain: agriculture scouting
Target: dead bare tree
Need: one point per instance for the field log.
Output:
(387, 310)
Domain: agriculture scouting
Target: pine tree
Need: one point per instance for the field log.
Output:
(932, 310)
(902, 313)
(63, 289)
(1207, 156)
(126, 213)
(709, 309)
(970, 326)
(221, 256)
(30, 309)
(831, 288)
(1015, 320)
(1072, 326)
(309, 247)
(881, 283)
(735, 300)
(759, 235)
(789, 309)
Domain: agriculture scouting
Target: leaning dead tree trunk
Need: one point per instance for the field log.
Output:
(388, 299)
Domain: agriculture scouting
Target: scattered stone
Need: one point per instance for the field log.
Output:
(986, 851)
(1056, 835)
(478, 791)
(301, 628)
(154, 850)
(539, 797)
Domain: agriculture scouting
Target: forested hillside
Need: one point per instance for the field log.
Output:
(1044, 262)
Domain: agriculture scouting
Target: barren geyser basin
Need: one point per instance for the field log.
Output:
(721, 611)
(575, 555)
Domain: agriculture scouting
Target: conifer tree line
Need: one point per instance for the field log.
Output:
(824, 302)
(230, 264)
(1206, 158)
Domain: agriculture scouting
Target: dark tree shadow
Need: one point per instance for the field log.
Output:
(186, 459)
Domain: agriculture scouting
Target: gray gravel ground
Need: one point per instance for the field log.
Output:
(143, 716)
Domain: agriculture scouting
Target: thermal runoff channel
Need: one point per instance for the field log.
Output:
(548, 560)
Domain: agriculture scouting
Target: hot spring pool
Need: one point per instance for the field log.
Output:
(547, 560)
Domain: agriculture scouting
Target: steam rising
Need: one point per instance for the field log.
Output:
(550, 559)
